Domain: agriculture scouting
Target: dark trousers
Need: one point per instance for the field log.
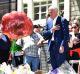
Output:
(18, 60)
(4, 55)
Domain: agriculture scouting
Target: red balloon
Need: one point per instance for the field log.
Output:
(16, 25)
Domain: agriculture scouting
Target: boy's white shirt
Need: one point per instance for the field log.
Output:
(27, 41)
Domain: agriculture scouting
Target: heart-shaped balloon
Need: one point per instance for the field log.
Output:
(16, 24)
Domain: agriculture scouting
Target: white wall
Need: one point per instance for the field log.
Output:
(30, 8)
(67, 9)
(55, 3)
(19, 5)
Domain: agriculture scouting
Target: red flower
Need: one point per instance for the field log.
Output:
(16, 24)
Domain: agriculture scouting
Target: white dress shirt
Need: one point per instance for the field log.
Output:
(54, 23)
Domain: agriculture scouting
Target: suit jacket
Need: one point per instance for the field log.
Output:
(5, 45)
(60, 39)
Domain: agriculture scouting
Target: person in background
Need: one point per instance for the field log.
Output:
(5, 45)
(56, 31)
(77, 19)
(30, 47)
(17, 53)
(74, 44)
(38, 28)
(75, 36)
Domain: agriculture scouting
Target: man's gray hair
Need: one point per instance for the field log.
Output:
(54, 8)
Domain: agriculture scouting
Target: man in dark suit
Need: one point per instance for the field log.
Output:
(4, 46)
(56, 31)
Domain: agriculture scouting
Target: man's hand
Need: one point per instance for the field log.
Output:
(61, 49)
(56, 27)
(40, 42)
